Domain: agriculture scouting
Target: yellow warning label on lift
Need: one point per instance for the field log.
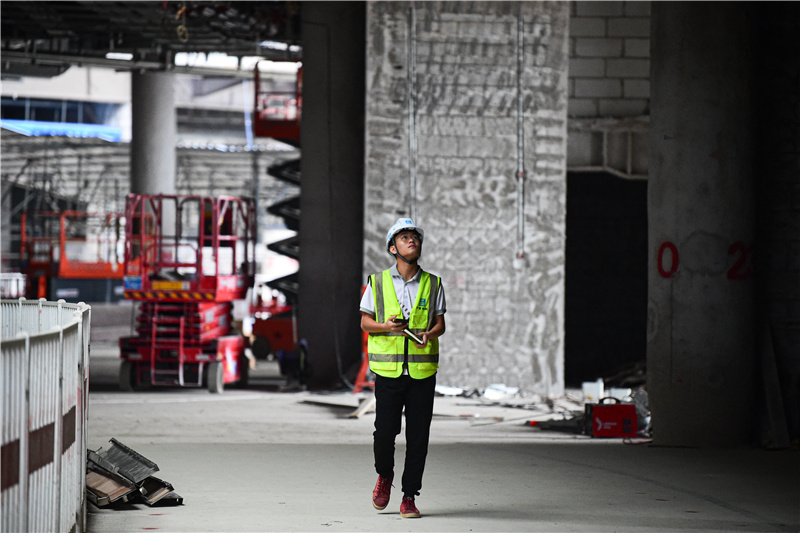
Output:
(160, 295)
(170, 285)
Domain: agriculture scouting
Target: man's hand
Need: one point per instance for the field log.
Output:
(424, 337)
(434, 333)
(395, 327)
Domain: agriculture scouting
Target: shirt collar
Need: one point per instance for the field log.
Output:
(396, 274)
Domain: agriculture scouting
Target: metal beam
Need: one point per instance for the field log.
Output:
(121, 65)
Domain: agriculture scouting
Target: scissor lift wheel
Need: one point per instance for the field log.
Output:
(127, 376)
(244, 371)
(216, 383)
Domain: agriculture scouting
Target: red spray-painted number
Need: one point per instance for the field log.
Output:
(742, 268)
(673, 266)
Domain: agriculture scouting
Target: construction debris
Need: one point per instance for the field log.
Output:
(366, 405)
(121, 475)
(567, 412)
(499, 391)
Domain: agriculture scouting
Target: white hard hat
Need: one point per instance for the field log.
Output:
(403, 224)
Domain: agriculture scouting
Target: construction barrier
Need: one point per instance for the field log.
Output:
(45, 373)
(12, 284)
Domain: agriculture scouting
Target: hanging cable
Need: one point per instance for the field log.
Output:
(520, 141)
(412, 111)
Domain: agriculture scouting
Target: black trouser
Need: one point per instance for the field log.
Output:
(391, 395)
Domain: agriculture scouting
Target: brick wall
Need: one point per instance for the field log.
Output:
(609, 59)
(505, 317)
(609, 107)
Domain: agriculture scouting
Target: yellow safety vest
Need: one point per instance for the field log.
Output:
(387, 350)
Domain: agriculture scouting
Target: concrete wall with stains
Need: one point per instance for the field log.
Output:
(504, 313)
(723, 223)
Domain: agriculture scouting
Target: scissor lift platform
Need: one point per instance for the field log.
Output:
(72, 254)
(186, 259)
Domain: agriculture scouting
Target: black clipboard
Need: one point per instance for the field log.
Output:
(407, 331)
(413, 336)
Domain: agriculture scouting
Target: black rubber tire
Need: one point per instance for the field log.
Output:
(216, 383)
(244, 371)
(127, 376)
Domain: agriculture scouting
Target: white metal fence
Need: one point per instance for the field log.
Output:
(45, 377)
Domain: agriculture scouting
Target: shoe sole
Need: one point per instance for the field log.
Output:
(410, 515)
(379, 508)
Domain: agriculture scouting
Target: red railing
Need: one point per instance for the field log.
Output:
(277, 114)
(72, 244)
(189, 248)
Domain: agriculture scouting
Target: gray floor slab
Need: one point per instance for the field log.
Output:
(259, 460)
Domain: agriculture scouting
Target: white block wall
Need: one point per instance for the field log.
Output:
(504, 319)
(609, 59)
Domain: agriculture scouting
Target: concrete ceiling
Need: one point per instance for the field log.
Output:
(45, 38)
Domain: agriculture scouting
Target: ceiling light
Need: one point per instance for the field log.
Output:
(122, 56)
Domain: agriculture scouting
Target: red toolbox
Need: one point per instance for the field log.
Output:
(610, 419)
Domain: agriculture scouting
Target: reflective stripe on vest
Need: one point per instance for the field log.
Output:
(387, 350)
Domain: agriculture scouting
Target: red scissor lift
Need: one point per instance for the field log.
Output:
(57, 248)
(186, 280)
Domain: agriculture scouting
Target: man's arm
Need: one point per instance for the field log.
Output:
(369, 324)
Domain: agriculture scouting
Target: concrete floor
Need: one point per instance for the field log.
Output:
(261, 460)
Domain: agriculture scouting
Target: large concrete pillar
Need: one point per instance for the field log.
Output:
(331, 197)
(466, 126)
(153, 133)
(777, 88)
(701, 342)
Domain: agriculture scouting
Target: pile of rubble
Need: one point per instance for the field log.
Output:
(120, 475)
(595, 410)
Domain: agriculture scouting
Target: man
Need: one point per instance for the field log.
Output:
(398, 304)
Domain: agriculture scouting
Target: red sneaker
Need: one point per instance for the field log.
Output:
(383, 488)
(408, 509)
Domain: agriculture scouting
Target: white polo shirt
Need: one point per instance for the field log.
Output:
(406, 292)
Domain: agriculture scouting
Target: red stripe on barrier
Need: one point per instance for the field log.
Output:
(40, 447)
(68, 429)
(10, 464)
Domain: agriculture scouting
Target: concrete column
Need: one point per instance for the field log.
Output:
(701, 342)
(153, 133)
(778, 255)
(489, 86)
(331, 195)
